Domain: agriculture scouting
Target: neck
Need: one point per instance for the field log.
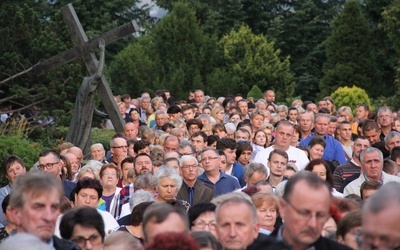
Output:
(213, 176)
(356, 161)
(292, 243)
(228, 167)
(190, 183)
(346, 142)
(274, 180)
(304, 134)
(135, 231)
(109, 190)
(284, 148)
(386, 130)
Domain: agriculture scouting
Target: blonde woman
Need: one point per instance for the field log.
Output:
(218, 114)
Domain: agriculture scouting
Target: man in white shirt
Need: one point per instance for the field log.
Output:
(283, 134)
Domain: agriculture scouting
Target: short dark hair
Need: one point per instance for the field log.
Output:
(138, 212)
(369, 185)
(211, 139)
(5, 203)
(8, 161)
(196, 210)
(225, 143)
(174, 109)
(395, 153)
(349, 221)
(200, 133)
(370, 125)
(317, 140)
(47, 152)
(87, 217)
(191, 122)
(159, 212)
(278, 152)
(242, 146)
(89, 183)
(125, 96)
(310, 166)
(139, 145)
(128, 159)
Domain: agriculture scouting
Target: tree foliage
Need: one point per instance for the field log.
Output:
(252, 60)
(350, 96)
(255, 92)
(348, 52)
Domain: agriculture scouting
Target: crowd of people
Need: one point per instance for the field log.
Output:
(214, 173)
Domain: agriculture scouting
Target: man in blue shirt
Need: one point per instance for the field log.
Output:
(333, 150)
(233, 168)
(222, 182)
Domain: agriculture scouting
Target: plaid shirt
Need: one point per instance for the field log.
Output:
(123, 198)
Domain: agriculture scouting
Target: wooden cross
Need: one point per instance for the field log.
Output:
(85, 49)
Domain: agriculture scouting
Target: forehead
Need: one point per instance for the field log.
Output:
(199, 137)
(278, 157)
(42, 196)
(47, 158)
(143, 158)
(95, 148)
(372, 155)
(89, 191)
(208, 153)
(304, 194)
(234, 212)
(322, 119)
(361, 142)
(285, 128)
(120, 141)
(345, 126)
(189, 162)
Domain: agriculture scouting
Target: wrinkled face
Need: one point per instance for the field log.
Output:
(393, 142)
(332, 128)
(130, 130)
(316, 151)
(39, 214)
(320, 170)
(236, 229)
(322, 104)
(256, 177)
(306, 123)
(270, 96)
(81, 233)
(186, 151)
(210, 161)
(372, 166)
(267, 214)
(144, 103)
(360, 145)
(199, 96)
(98, 153)
(120, 149)
(244, 158)
(304, 214)
(277, 164)
(261, 106)
(283, 136)
(171, 145)
(205, 222)
(143, 165)
(190, 170)
(160, 119)
(167, 189)
(385, 118)
(14, 170)
(321, 126)
(74, 163)
(312, 107)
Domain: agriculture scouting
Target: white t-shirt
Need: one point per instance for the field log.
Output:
(297, 156)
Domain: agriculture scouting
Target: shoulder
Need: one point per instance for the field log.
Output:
(62, 244)
(324, 243)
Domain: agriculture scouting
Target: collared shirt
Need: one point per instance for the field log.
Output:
(333, 150)
(224, 184)
(123, 197)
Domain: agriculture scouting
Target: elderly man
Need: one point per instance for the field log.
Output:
(199, 96)
(119, 150)
(171, 143)
(130, 130)
(237, 223)
(161, 117)
(192, 190)
(98, 153)
(371, 166)
(304, 207)
(333, 152)
(380, 219)
(35, 206)
(283, 136)
(78, 153)
(253, 173)
(213, 176)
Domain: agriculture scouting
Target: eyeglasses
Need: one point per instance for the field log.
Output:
(94, 239)
(47, 166)
(202, 224)
(384, 116)
(209, 158)
(190, 166)
(366, 241)
(306, 215)
(120, 147)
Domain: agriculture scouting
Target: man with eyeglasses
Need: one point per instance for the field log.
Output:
(222, 183)
(304, 208)
(49, 161)
(380, 219)
(192, 190)
(119, 150)
(385, 120)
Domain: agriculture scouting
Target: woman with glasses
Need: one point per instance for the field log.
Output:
(109, 176)
(202, 218)
(84, 226)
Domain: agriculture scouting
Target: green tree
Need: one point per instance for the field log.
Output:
(348, 51)
(255, 92)
(350, 96)
(251, 59)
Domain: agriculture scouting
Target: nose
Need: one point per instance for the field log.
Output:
(232, 232)
(88, 245)
(312, 222)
